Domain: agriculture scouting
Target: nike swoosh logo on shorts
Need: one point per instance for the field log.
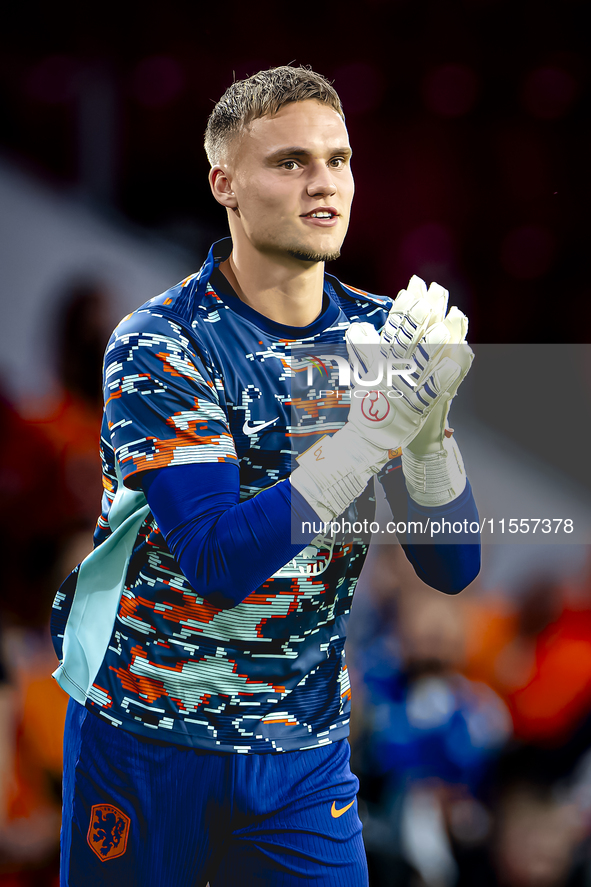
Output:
(336, 813)
(249, 429)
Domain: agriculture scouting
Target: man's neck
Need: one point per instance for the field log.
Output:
(289, 293)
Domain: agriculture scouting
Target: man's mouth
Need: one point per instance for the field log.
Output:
(328, 212)
(322, 217)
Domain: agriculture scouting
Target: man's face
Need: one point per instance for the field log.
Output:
(291, 176)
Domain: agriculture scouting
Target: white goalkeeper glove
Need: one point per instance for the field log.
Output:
(390, 407)
(386, 417)
(432, 463)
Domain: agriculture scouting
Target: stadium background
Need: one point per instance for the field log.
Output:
(470, 126)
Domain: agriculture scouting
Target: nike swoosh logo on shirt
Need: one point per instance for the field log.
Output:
(249, 429)
(336, 813)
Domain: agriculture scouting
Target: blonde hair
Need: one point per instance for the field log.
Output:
(261, 95)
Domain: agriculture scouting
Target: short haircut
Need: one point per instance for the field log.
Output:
(261, 95)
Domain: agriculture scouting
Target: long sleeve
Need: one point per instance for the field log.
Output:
(225, 548)
(446, 560)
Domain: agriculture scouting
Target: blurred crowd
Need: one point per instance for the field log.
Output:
(50, 490)
(471, 731)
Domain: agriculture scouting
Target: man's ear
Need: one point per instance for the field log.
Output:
(221, 187)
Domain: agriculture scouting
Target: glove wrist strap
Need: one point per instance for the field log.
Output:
(334, 471)
(434, 479)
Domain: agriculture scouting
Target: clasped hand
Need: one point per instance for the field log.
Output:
(413, 368)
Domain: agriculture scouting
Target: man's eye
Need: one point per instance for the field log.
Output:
(337, 162)
(289, 164)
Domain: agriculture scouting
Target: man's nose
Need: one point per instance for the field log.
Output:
(321, 181)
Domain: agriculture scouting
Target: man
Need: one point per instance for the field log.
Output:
(204, 648)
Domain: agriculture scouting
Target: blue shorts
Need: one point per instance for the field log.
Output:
(142, 814)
